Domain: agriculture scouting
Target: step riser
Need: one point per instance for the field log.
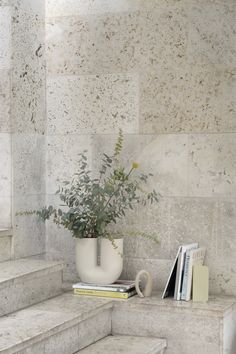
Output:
(5, 248)
(74, 338)
(202, 338)
(23, 292)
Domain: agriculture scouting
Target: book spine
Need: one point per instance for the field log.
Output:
(185, 277)
(100, 293)
(178, 277)
(101, 288)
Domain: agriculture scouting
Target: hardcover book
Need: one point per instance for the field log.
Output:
(180, 268)
(173, 284)
(102, 293)
(119, 286)
(193, 258)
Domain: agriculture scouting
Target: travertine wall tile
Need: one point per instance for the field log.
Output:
(193, 220)
(225, 229)
(109, 43)
(222, 275)
(5, 215)
(212, 29)
(5, 165)
(28, 74)
(165, 156)
(5, 93)
(93, 104)
(187, 99)
(5, 37)
(28, 231)
(57, 8)
(28, 164)
(63, 157)
(212, 165)
(5, 123)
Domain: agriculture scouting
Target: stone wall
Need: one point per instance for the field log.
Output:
(165, 72)
(5, 122)
(29, 123)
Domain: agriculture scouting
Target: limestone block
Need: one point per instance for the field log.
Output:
(212, 165)
(5, 165)
(165, 156)
(5, 37)
(5, 87)
(193, 220)
(187, 99)
(212, 33)
(57, 8)
(117, 42)
(28, 62)
(5, 247)
(63, 157)
(5, 215)
(28, 152)
(93, 104)
(29, 231)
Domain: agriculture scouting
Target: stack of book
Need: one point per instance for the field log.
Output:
(121, 289)
(179, 284)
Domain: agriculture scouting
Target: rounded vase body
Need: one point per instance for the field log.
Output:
(111, 260)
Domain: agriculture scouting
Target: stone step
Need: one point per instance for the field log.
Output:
(5, 244)
(189, 327)
(126, 344)
(62, 325)
(27, 281)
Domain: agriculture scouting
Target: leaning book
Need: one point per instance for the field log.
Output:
(103, 293)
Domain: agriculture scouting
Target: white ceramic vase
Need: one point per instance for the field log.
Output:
(111, 261)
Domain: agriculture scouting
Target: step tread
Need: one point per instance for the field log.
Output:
(11, 270)
(33, 324)
(5, 232)
(217, 306)
(126, 344)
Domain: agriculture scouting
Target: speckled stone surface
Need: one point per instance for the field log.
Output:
(63, 324)
(189, 327)
(28, 62)
(5, 180)
(28, 281)
(103, 107)
(179, 59)
(28, 116)
(126, 344)
(5, 245)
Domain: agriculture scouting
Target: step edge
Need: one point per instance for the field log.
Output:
(6, 233)
(55, 330)
(53, 268)
(196, 311)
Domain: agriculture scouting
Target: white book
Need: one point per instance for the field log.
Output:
(180, 268)
(193, 257)
(118, 286)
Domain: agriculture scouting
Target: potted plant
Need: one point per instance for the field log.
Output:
(90, 205)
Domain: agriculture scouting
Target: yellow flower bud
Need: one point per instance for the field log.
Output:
(135, 165)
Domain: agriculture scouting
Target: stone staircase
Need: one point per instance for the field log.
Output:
(126, 344)
(37, 317)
